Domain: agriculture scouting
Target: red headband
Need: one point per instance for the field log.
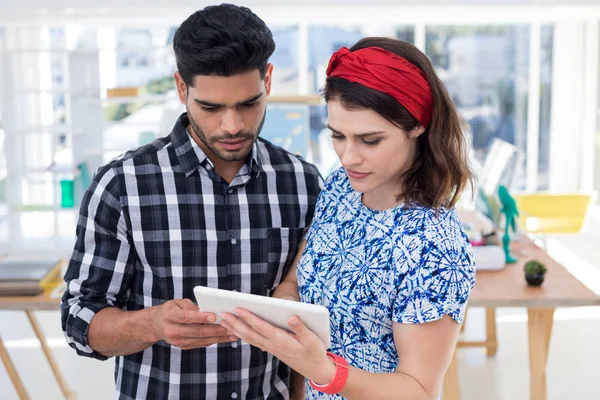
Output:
(386, 72)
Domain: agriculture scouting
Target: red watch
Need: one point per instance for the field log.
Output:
(339, 380)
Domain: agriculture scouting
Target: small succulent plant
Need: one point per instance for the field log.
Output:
(535, 272)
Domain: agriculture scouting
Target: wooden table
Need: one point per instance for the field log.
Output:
(29, 304)
(508, 288)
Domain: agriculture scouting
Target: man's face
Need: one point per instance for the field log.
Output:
(226, 113)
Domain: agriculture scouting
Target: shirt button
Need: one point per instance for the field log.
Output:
(234, 345)
(234, 395)
(230, 191)
(233, 241)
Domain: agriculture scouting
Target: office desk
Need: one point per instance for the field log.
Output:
(29, 304)
(508, 288)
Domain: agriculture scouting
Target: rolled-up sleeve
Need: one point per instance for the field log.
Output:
(101, 266)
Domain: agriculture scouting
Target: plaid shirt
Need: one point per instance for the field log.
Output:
(158, 221)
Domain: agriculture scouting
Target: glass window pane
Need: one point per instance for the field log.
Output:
(39, 109)
(323, 41)
(38, 71)
(81, 38)
(285, 60)
(3, 209)
(485, 69)
(145, 59)
(146, 68)
(597, 151)
(2, 39)
(26, 38)
(3, 172)
(38, 189)
(406, 33)
(545, 106)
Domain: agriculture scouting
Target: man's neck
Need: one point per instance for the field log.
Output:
(227, 170)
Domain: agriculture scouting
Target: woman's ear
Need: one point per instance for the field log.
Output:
(416, 132)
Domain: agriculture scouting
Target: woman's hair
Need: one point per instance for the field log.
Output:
(441, 169)
(222, 40)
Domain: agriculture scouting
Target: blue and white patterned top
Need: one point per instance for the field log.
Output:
(372, 268)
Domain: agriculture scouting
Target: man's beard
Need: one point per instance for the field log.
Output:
(225, 155)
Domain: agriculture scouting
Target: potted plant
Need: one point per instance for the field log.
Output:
(535, 272)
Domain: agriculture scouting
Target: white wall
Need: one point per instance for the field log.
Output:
(574, 99)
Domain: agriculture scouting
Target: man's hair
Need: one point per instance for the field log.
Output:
(222, 40)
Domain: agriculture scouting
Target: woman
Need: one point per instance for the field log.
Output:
(386, 252)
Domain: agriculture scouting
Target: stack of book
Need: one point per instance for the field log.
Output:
(27, 277)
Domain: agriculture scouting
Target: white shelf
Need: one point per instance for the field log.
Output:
(137, 99)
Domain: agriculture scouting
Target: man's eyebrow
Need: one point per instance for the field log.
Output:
(240, 103)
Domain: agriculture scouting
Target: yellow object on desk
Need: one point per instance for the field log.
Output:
(22, 277)
(52, 279)
(553, 213)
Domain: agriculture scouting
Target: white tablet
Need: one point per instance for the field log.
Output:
(275, 311)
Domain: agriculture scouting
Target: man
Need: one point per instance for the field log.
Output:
(211, 204)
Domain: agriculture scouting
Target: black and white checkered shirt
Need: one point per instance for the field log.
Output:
(158, 221)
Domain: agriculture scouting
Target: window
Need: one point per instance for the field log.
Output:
(145, 58)
(323, 41)
(597, 149)
(2, 140)
(406, 33)
(547, 36)
(485, 69)
(41, 155)
(285, 60)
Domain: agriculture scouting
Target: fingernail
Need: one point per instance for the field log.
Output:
(294, 321)
(233, 338)
(210, 318)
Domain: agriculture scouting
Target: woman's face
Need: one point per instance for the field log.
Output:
(373, 151)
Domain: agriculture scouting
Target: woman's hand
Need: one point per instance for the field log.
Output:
(301, 350)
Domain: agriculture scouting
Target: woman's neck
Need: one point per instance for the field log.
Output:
(381, 198)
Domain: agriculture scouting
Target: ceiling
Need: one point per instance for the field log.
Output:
(17, 11)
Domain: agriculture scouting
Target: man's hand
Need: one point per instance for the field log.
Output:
(181, 324)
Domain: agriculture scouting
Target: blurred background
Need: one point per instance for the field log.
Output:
(82, 82)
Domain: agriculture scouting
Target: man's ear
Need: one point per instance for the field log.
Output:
(182, 90)
(268, 78)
